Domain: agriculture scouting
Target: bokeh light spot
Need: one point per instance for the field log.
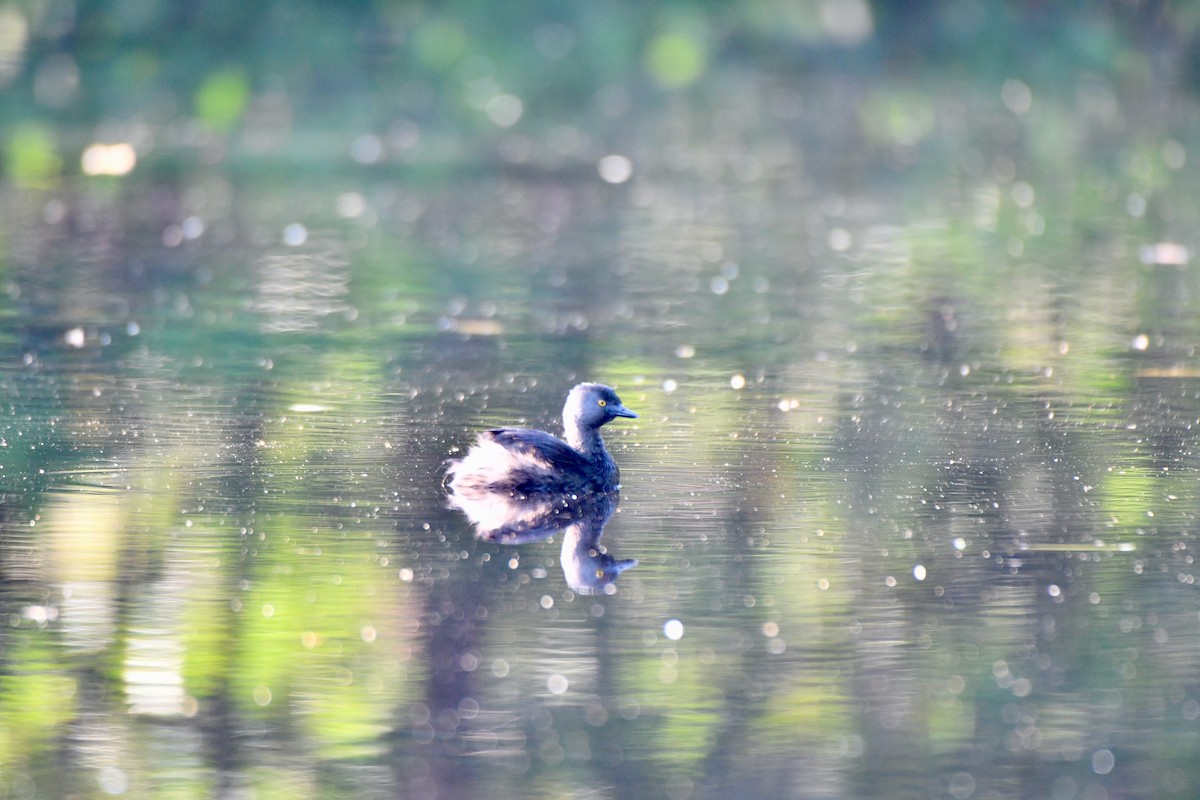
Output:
(675, 60)
(221, 99)
(504, 110)
(615, 168)
(109, 159)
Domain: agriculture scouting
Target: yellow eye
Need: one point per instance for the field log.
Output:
(602, 403)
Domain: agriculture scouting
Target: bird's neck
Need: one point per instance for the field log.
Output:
(585, 440)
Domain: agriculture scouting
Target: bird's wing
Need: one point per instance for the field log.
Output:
(538, 445)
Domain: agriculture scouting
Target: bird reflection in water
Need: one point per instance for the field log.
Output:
(517, 519)
(518, 485)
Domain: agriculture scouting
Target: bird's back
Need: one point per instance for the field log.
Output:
(527, 462)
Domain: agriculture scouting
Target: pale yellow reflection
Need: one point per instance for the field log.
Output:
(82, 533)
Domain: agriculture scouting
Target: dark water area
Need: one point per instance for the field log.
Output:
(912, 493)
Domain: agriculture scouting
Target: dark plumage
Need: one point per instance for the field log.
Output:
(526, 463)
(518, 485)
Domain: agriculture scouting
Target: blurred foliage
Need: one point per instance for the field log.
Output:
(674, 60)
(37, 698)
(31, 158)
(107, 66)
(221, 99)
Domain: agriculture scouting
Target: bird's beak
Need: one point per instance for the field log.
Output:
(621, 411)
(618, 567)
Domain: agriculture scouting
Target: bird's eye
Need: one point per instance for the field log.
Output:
(599, 573)
(602, 403)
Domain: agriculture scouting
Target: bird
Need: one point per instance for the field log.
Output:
(527, 464)
(519, 485)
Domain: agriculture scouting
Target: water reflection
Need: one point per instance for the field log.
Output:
(517, 519)
(914, 498)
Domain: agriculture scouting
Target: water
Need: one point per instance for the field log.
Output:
(912, 494)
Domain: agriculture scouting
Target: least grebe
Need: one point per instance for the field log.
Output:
(518, 485)
(527, 463)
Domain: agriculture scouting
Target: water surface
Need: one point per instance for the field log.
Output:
(912, 494)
